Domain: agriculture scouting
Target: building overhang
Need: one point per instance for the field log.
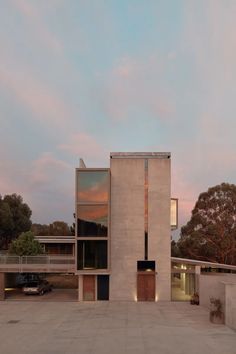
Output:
(202, 263)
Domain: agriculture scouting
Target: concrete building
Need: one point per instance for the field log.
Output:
(122, 247)
(123, 228)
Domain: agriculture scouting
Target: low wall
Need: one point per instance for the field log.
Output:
(211, 285)
(221, 286)
(230, 304)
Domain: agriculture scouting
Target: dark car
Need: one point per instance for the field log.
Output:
(23, 279)
(37, 287)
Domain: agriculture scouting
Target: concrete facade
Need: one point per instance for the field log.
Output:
(127, 223)
(127, 226)
(159, 224)
(138, 225)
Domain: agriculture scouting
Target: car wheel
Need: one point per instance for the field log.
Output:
(41, 292)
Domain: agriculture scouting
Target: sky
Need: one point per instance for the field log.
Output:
(81, 79)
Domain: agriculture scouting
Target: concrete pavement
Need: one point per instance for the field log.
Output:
(110, 327)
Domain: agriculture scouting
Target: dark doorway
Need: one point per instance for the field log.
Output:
(146, 286)
(103, 287)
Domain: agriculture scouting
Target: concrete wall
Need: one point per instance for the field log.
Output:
(230, 304)
(212, 286)
(127, 226)
(62, 281)
(159, 224)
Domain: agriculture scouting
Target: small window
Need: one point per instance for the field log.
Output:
(146, 266)
(174, 214)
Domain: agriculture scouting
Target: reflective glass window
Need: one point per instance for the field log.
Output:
(92, 220)
(174, 213)
(93, 186)
(92, 255)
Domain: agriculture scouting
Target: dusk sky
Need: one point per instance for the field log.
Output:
(84, 78)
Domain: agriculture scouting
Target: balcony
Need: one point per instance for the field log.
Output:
(37, 264)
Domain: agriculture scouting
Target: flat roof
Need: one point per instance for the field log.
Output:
(203, 263)
(56, 239)
(140, 155)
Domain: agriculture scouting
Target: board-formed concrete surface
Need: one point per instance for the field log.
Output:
(110, 328)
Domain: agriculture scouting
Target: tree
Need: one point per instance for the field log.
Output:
(59, 228)
(26, 245)
(211, 232)
(40, 229)
(175, 251)
(14, 218)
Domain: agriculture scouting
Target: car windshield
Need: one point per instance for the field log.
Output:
(32, 284)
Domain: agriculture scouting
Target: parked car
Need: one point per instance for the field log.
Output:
(22, 279)
(37, 287)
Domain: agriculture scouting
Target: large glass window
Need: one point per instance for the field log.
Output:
(182, 286)
(93, 186)
(92, 254)
(92, 220)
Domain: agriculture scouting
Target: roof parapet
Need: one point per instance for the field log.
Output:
(140, 155)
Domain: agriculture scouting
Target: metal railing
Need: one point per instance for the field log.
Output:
(37, 263)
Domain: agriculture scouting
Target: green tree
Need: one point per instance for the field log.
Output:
(26, 245)
(59, 228)
(14, 218)
(211, 232)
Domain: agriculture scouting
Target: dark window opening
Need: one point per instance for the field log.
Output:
(58, 248)
(146, 246)
(92, 255)
(146, 266)
(103, 287)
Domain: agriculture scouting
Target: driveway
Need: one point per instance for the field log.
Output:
(110, 328)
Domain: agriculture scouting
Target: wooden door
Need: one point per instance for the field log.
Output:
(146, 286)
(89, 287)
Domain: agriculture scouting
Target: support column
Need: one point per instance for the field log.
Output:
(2, 286)
(80, 287)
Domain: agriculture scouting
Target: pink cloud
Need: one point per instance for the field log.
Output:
(46, 169)
(43, 104)
(84, 146)
(33, 16)
(133, 85)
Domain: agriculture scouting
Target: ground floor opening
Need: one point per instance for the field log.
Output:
(63, 287)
